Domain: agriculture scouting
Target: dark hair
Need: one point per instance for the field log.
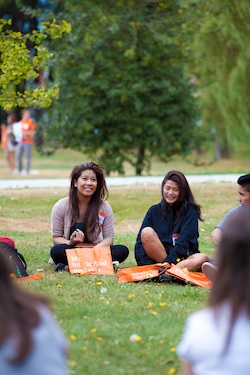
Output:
(244, 181)
(12, 118)
(186, 197)
(19, 313)
(101, 193)
(232, 281)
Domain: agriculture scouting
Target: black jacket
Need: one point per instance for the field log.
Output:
(187, 228)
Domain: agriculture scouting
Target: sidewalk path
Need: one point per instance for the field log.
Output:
(111, 181)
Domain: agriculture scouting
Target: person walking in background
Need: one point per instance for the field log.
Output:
(31, 342)
(217, 339)
(84, 216)
(9, 142)
(27, 127)
(169, 231)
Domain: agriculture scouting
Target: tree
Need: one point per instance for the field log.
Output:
(221, 63)
(124, 97)
(19, 67)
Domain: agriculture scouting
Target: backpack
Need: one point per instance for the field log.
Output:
(16, 259)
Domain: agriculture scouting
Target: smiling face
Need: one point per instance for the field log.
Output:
(171, 192)
(86, 184)
(244, 196)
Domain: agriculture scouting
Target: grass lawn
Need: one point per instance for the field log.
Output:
(99, 325)
(61, 163)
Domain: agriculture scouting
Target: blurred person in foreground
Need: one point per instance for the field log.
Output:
(217, 339)
(31, 341)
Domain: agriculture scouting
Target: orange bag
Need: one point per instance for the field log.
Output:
(36, 276)
(90, 260)
(132, 274)
(196, 278)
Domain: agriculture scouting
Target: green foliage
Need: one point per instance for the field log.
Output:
(20, 66)
(221, 63)
(123, 94)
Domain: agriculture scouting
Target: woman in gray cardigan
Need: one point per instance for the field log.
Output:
(84, 216)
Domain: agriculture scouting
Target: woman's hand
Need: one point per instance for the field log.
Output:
(76, 237)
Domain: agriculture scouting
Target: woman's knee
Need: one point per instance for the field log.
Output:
(148, 234)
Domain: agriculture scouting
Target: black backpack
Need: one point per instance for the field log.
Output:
(16, 259)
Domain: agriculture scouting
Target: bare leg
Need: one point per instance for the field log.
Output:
(152, 245)
(193, 262)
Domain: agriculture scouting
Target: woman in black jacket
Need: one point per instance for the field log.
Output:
(169, 231)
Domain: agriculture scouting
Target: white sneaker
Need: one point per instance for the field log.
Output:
(51, 262)
(24, 173)
(210, 270)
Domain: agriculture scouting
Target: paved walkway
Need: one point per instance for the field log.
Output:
(111, 181)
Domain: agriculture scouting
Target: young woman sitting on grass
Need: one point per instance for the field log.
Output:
(169, 231)
(84, 216)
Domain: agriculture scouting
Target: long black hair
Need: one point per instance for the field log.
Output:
(101, 193)
(186, 197)
(232, 281)
(19, 313)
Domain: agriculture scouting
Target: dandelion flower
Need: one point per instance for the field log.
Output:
(131, 296)
(103, 290)
(99, 283)
(150, 304)
(73, 337)
(99, 338)
(93, 330)
(154, 312)
(59, 285)
(72, 363)
(173, 350)
(101, 298)
(163, 304)
(171, 371)
(107, 303)
(135, 338)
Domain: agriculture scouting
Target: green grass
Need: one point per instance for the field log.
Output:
(61, 163)
(102, 327)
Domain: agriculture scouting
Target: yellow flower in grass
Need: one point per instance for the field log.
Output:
(99, 283)
(93, 330)
(59, 286)
(99, 338)
(146, 291)
(163, 304)
(131, 296)
(72, 363)
(150, 304)
(73, 337)
(159, 295)
(154, 312)
(101, 298)
(107, 302)
(173, 350)
(135, 338)
(84, 348)
(171, 371)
